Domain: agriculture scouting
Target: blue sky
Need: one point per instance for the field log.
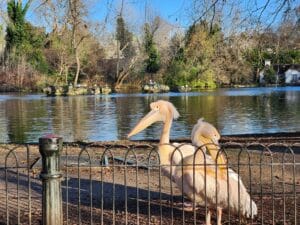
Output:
(170, 10)
(179, 11)
(173, 11)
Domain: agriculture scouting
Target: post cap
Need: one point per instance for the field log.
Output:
(52, 137)
(50, 142)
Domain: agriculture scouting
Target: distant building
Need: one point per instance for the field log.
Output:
(292, 75)
(267, 62)
(288, 74)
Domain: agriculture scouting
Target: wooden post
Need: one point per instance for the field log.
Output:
(50, 147)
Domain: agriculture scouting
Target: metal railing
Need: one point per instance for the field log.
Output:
(124, 184)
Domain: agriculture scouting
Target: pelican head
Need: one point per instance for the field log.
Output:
(204, 130)
(161, 111)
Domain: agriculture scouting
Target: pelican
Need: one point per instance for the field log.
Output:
(211, 182)
(204, 133)
(164, 111)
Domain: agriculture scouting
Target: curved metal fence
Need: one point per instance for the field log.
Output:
(126, 184)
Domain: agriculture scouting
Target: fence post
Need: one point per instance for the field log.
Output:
(50, 147)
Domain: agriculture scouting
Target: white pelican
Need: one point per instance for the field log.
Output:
(204, 133)
(212, 185)
(164, 111)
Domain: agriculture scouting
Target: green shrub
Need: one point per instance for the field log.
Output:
(270, 76)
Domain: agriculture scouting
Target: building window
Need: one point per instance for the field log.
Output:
(294, 77)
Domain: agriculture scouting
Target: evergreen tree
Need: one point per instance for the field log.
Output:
(22, 39)
(16, 34)
(124, 36)
(193, 63)
(153, 60)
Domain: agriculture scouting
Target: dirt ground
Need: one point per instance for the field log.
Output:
(99, 188)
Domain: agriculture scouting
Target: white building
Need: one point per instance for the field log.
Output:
(292, 76)
(287, 73)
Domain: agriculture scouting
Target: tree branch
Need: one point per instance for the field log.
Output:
(205, 12)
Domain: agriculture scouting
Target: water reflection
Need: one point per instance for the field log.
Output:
(99, 118)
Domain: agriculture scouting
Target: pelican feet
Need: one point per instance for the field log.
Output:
(189, 207)
(186, 206)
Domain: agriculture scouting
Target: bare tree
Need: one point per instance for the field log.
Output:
(55, 17)
(53, 13)
(254, 14)
(77, 11)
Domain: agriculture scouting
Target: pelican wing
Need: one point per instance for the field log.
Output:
(198, 177)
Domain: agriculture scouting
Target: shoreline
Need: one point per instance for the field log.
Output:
(6, 89)
(266, 138)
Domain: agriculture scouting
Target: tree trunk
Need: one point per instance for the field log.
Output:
(121, 79)
(77, 68)
(66, 73)
(124, 74)
(118, 61)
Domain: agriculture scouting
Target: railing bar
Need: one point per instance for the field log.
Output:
(228, 194)
(114, 196)
(91, 197)
(126, 193)
(6, 191)
(272, 193)
(149, 196)
(67, 186)
(160, 195)
(101, 194)
(294, 189)
(172, 197)
(6, 181)
(18, 195)
(182, 198)
(13, 167)
(261, 191)
(79, 199)
(84, 149)
(216, 188)
(239, 191)
(277, 194)
(153, 166)
(284, 197)
(137, 196)
(250, 188)
(194, 194)
(205, 184)
(29, 185)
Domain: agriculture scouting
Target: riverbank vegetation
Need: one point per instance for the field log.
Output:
(62, 42)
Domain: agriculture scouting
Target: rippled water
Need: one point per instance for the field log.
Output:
(25, 118)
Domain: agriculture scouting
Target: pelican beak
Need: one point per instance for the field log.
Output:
(215, 141)
(152, 117)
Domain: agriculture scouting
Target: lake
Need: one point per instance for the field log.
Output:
(25, 118)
